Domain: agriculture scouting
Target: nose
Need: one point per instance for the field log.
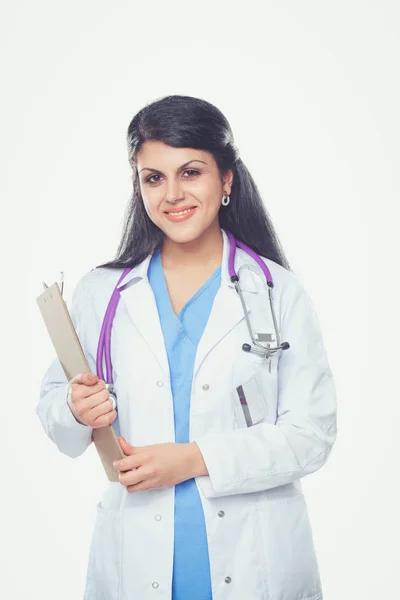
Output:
(174, 191)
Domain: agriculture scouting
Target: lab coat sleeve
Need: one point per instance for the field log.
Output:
(267, 455)
(70, 436)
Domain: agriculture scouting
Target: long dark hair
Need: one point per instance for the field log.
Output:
(187, 122)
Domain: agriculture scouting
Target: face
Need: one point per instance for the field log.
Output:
(181, 189)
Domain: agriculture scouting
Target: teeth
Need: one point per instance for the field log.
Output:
(182, 212)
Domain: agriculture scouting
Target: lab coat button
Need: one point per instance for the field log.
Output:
(228, 579)
(206, 387)
(221, 513)
(158, 517)
(155, 585)
(160, 383)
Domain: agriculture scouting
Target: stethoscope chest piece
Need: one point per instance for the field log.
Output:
(112, 398)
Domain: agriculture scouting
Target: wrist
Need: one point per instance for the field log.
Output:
(198, 466)
(71, 408)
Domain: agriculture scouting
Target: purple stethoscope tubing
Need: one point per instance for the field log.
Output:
(255, 346)
(231, 260)
(104, 344)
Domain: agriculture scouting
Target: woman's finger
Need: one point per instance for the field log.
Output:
(80, 391)
(125, 465)
(140, 487)
(85, 379)
(105, 419)
(98, 405)
(94, 401)
(133, 477)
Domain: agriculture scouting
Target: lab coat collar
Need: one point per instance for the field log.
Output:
(226, 313)
(244, 266)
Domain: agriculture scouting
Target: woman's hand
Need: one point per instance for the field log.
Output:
(158, 465)
(88, 400)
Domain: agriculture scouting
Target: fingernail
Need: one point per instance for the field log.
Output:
(115, 465)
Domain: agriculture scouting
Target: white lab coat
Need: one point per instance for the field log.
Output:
(259, 536)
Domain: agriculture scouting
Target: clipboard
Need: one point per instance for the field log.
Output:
(70, 353)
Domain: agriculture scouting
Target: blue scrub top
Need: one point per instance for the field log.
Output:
(182, 333)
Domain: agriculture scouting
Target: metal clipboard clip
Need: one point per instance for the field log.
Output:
(60, 285)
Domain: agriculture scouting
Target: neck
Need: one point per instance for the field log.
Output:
(205, 250)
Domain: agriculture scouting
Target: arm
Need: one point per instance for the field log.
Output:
(70, 436)
(268, 455)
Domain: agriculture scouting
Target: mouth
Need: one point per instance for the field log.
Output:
(182, 211)
(181, 214)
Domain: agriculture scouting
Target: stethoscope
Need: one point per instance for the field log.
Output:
(256, 346)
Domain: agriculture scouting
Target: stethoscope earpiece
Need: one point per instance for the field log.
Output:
(265, 352)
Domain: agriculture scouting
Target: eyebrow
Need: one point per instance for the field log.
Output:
(178, 169)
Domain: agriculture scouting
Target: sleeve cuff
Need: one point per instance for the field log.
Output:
(62, 414)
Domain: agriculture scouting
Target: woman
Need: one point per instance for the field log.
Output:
(216, 440)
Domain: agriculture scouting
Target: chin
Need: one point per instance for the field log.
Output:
(181, 234)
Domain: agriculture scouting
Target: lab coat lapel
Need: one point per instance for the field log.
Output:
(227, 310)
(141, 306)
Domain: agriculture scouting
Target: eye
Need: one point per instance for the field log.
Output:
(148, 180)
(194, 171)
(191, 173)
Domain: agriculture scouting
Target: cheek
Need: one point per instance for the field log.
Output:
(147, 205)
(150, 205)
(215, 204)
(150, 198)
(212, 201)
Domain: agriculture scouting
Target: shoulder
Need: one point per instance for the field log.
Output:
(289, 291)
(283, 278)
(99, 277)
(295, 303)
(97, 283)
(287, 283)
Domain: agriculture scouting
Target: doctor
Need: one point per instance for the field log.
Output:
(209, 503)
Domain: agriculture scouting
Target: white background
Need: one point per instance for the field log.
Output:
(311, 90)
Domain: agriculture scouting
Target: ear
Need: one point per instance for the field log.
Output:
(227, 181)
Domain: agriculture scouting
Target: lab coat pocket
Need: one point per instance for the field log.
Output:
(249, 403)
(288, 544)
(104, 556)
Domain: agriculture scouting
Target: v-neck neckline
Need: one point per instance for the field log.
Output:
(193, 298)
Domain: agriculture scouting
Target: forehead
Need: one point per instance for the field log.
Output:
(154, 153)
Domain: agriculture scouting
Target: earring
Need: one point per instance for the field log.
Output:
(225, 199)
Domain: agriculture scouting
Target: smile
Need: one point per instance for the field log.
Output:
(180, 212)
(180, 215)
